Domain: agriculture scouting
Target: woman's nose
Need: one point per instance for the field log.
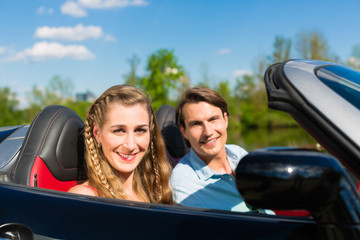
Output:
(130, 142)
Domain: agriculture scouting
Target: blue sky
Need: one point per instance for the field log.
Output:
(90, 41)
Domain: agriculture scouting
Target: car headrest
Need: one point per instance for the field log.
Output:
(174, 140)
(55, 136)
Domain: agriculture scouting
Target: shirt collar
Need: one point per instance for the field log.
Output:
(203, 171)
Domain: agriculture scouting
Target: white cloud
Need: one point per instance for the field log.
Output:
(77, 33)
(23, 101)
(99, 4)
(240, 73)
(44, 10)
(2, 50)
(77, 9)
(109, 38)
(140, 3)
(224, 51)
(73, 9)
(43, 51)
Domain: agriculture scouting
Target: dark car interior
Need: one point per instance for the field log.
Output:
(52, 153)
(176, 146)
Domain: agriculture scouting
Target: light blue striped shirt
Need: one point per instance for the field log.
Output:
(196, 184)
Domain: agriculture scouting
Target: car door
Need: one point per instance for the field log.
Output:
(56, 215)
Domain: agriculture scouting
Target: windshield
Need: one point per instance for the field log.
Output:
(10, 147)
(344, 81)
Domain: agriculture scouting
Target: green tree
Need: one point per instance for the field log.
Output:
(59, 91)
(205, 76)
(132, 78)
(81, 108)
(259, 68)
(251, 94)
(234, 126)
(251, 99)
(184, 83)
(282, 49)
(354, 60)
(313, 45)
(164, 77)
(8, 107)
(245, 86)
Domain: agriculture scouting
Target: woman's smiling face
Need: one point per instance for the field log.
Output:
(125, 136)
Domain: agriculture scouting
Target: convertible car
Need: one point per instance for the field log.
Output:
(41, 161)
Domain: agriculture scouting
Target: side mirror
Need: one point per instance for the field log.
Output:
(291, 178)
(15, 231)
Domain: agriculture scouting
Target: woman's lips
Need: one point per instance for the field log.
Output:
(127, 157)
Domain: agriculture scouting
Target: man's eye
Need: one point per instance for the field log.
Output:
(195, 124)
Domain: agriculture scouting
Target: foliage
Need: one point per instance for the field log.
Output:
(245, 87)
(164, 77)
(8, 107)
(205, 77)
(234, 112)
(81, 108)
(59, 91)
(132, 78)
(354, 60)
(282, 49)
(312, 45)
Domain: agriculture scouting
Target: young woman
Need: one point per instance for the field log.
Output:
(125, 152)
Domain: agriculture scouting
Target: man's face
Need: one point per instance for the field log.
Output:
(205, 129)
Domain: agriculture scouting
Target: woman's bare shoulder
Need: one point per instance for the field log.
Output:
(84, 189)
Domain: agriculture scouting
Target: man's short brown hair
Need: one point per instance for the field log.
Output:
(199, 94)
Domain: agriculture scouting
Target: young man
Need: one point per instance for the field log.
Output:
(205, 176)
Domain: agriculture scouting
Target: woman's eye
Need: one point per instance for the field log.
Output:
(141, 130)
(119, 130)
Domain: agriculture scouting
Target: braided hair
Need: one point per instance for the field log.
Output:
(151, 176)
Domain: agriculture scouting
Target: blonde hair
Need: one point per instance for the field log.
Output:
(151, 176)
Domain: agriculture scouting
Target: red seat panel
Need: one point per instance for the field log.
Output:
(295, 213)
(44, 178)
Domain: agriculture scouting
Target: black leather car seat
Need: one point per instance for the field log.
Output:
(52, 154)
(176, 146)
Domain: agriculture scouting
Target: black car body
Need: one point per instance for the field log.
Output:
(39, 162)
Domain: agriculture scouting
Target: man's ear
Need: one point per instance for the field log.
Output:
(226, 117)
(183, 131)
